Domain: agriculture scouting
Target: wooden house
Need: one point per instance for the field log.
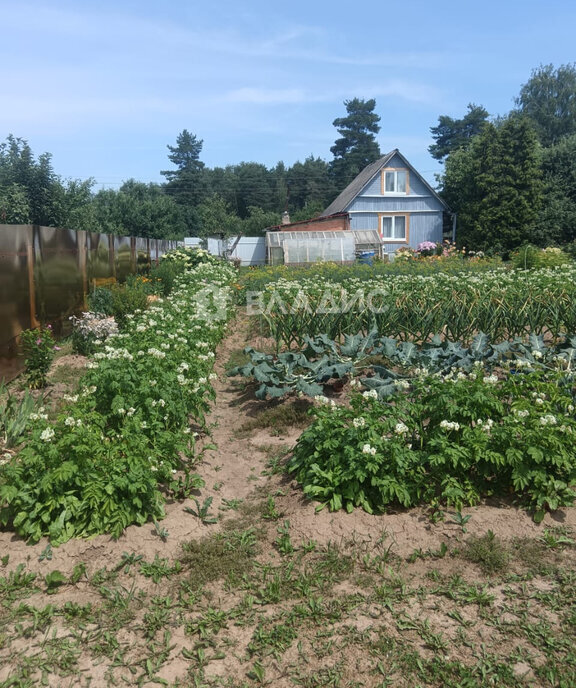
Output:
(390, 196)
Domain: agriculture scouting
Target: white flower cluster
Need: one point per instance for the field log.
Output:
(94, 325)
(449, 425)
(490, 380)
(110, 353)
(359, 422)
(367, 449)
(156, 353)
(73, 422)
(47, 435)
(370, 394)
(324, 401)
(401, 384)
(41, 415)
(401, 428)
(548, 419)
(485, 425)
(521, 413)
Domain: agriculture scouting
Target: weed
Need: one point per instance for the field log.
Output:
(212, 621)
(160, 531)
(46, 553)
(461, 520)
(220, 556)
(127, 561)
(54, 580)
(202, 511)
(159, 568)
(488, 551)
(230, 504)
(279, 418)
(18, 583)
(270, 512)
(283, 542)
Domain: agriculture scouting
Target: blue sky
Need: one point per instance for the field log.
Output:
(104, 86)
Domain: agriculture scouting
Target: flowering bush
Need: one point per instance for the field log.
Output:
(528, 257)
(39, 349)
(453, 439)
(91, 330)
(404, 253)
(428, 248)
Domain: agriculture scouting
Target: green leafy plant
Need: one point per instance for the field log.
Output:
(202, 511)
(283, 542)
(159, 568)
(445, 440)
(16, 413)
(39, 348)
(54, 580)
(93, 469)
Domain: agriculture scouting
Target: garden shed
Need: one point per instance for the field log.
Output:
(298, 248)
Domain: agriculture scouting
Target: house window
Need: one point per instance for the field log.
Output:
(394, 228)
(395, 182)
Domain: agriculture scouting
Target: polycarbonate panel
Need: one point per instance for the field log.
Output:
(58, 278)
(14, 282)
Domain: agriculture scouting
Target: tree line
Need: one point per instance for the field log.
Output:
(509, 179)
(195, 200)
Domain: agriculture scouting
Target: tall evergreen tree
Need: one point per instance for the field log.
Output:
(557, 220)
(495, 186)
(451, 134)
(187, 184)
(357, 146)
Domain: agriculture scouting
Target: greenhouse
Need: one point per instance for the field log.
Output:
(296, 248)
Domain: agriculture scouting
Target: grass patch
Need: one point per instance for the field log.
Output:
(279, 418)
(236, 358)
(488, 551)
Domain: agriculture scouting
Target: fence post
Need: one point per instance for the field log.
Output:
(31, 284)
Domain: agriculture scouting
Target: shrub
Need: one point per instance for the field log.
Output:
(126, 300)
(528, 257)
(91, 330)
(100, 301)
(39, 348)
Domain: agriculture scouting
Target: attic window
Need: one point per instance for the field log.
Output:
(395, 182)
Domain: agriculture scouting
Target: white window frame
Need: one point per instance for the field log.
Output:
(391, 240)
(394, 192)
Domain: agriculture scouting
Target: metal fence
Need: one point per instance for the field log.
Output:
(45, 274)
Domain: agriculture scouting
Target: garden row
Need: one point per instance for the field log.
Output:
(502, 303)
(98, 467)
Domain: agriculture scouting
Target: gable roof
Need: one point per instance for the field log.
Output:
(343, 200)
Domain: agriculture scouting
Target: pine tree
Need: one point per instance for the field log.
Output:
(357, 146)
(187, 184)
